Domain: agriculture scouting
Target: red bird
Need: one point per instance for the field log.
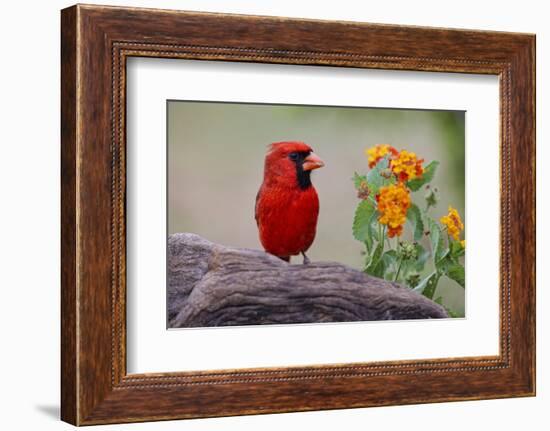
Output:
(287, 204)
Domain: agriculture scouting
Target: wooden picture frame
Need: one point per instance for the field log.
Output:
(95, 43)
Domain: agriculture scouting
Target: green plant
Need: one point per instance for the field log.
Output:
(433, 249)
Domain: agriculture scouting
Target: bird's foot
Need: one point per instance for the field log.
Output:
(306, 259)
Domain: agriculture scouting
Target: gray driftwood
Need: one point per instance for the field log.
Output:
(214, 285)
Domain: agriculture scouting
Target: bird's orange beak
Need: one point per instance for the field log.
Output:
(312, 161)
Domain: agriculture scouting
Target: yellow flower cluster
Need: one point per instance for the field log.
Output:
(454, 224)
(394, 200)
(393, 203)
(406, 166)
(376, 153)
(403, 164)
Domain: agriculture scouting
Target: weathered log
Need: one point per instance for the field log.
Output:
(214, 285)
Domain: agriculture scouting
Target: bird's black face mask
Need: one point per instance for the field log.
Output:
(303, 176)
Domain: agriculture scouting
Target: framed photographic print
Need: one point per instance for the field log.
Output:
(320, 214)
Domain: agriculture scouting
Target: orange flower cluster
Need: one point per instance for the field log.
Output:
(393, 202)
(406, 166)
(403, 164)
(375, 154)
(454, 224)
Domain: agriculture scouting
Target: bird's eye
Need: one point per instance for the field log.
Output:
(293, 156)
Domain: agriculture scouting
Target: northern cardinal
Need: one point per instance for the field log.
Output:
(287, 204)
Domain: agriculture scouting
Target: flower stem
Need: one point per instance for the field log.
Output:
(398, 269)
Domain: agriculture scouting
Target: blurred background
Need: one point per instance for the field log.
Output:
(215, 167)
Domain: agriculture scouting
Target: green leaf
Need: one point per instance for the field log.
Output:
(441, 264)
(358, 180)
(373, 228)
(379, 269)
(375, 179)
(390, 258)
(456, 249)
(373, 223)
(427, 176)
(368, 245)
(436, 238)
(415, 218)
(456, 272)
(428, 285)
(422, 256)
(383, 269)
(422, 285)
(375, 260)
(368, 253)
(362, 221)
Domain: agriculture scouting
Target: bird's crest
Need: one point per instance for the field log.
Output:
(297, 146)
